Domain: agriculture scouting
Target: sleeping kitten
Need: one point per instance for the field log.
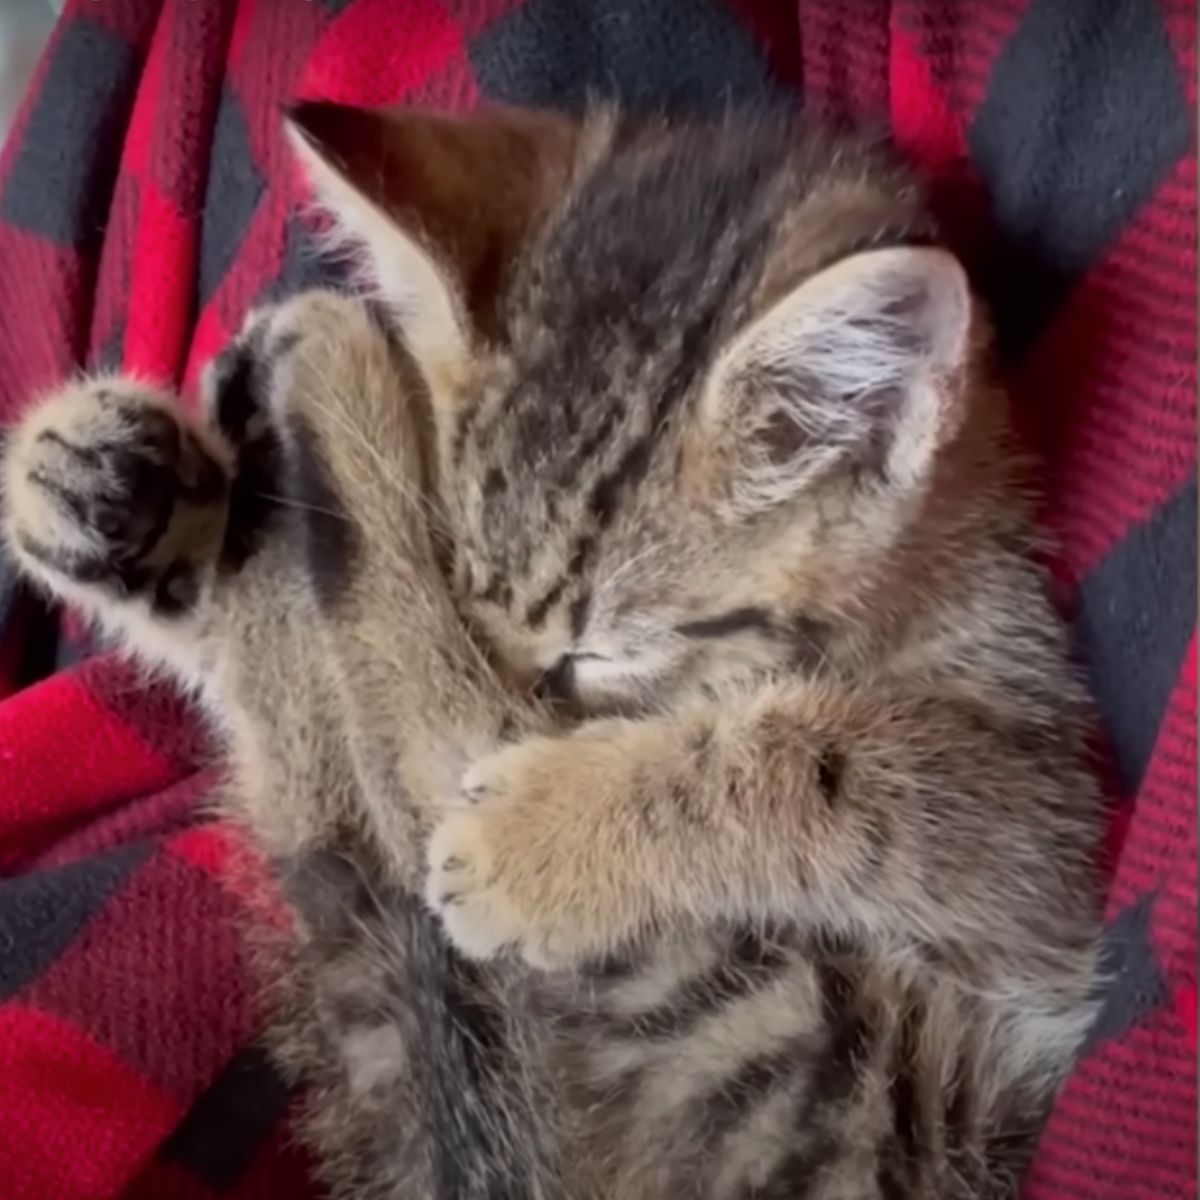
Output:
(672, 588)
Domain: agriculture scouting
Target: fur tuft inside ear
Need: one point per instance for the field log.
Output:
(861, 364)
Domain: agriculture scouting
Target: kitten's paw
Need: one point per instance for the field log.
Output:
(253, 380)
(516, 864)
(247, 387)
(464, 889)
(106, 486)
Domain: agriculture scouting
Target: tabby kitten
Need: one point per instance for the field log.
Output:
(663, 613)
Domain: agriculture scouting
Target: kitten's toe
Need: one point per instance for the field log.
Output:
(105, 484)
(484, 904)
(462, 888)
(481, 782)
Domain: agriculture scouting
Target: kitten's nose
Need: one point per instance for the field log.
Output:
(558, 683)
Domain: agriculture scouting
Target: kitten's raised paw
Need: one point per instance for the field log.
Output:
(106, 487)
(253, 375)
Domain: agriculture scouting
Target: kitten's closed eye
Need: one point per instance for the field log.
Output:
(727, 624)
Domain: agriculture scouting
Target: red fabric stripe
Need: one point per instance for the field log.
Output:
(1100, 1148)
(259, 258)
(78, 1123)
(1114, 416)
(157, 815)
(225, 855)
(380, 52)
(48, 782)
(36, 276)
(160, 314)
(922, 121)
(1186, 1002)
(209, 336)
(961, 44)
(845, 51)
(140, 131)
(111, 294)
(175, 925)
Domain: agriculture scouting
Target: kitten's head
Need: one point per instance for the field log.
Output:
(692, 383)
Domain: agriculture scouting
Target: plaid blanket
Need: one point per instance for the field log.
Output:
(145, 203)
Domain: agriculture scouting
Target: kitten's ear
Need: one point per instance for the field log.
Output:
(436, 204)
(862, 363)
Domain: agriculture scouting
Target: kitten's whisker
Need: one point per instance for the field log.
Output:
(406, 492)
(288, 502)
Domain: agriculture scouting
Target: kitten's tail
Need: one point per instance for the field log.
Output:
(419, 1083)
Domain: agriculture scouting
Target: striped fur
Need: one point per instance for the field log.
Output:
(663, 613)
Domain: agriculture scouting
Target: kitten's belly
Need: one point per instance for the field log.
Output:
(733, 1066)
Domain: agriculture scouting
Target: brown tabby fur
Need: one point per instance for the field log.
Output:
(664, 614)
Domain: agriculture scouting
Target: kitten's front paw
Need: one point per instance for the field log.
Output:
(517, 863)
(464, 888)
(106, 486)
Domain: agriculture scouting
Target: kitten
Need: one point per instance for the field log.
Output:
(672, 587)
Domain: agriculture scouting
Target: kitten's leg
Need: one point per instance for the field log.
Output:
(173, 534)
(87, 525)
(116, 503)
(411, 1063)
(420, 698)
(798, 802)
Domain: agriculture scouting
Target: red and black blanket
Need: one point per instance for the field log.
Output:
(146, 202)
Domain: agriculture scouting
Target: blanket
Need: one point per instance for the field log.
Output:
(146, 203)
